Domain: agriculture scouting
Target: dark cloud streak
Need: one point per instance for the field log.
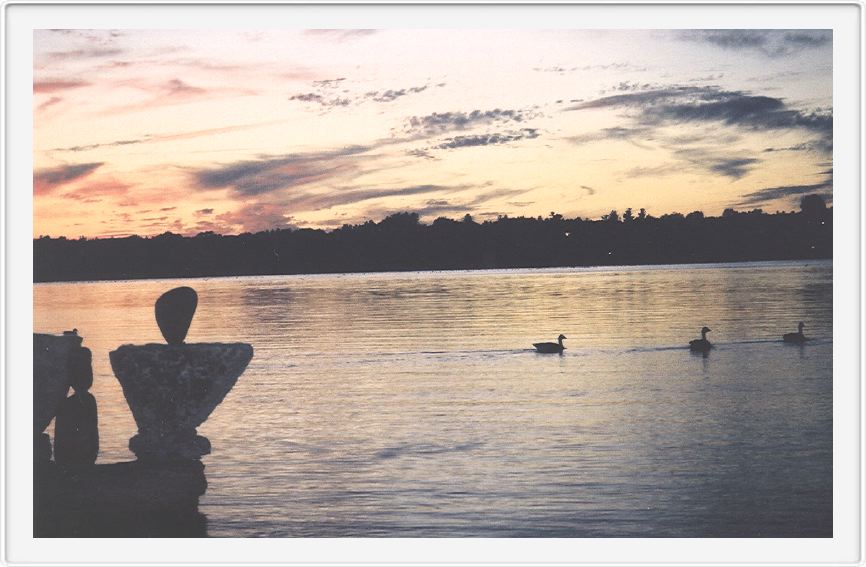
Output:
(274, 173)
(773, 193)
(488, 139)
(440, 122)
(709, 104)
(46, 180)
(770, 43)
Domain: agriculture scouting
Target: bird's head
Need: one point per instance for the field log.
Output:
(706, 330)
(562, 337)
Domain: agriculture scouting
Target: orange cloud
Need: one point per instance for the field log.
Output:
(108, 187)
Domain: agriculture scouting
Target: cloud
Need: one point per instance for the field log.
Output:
(421, 153)
(203, 212)
(109, 187)
(255, 217)
(439, 207)
(153, 138)
(642, 133)
(341, 35)
(102, 145)
(84, 53)
(269, 174)
(630, 86)
(773, 193)
(54, 85)
(50, 102)
(308, 97)
(174, 91)
(392, 95)
(770, 43)
(176, 87)
(330, 83)
(440, 122)
(699, 159)
(733, 167)
(326, 96)
(709, 104)
(655, 171)
(791, 192)
(802, 147)
(47, 180)
(346, 196)
(617, 66)
(589, 190)
(332, 102)
(488, 139)
(710, 159)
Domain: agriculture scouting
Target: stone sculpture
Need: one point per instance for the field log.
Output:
(173, 388)
(174, 313)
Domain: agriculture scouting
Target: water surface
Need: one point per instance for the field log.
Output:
(410, 404)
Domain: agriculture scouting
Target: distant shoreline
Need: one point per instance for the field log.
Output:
(400, 243)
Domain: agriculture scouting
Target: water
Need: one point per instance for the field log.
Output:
(409, 404)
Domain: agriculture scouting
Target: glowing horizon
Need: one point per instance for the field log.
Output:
(143, 132)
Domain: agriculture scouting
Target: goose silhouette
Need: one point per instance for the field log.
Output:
(701, 344)
(549, 348)
(795, 338)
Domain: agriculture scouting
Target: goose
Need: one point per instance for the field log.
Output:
(550, 347)
(796, 338)
(701, 344)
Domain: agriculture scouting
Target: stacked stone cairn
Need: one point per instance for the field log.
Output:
(172, 388)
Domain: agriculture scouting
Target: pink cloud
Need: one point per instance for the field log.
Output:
(46, 180)
(254, 217)
(51, 86)
(107, 187)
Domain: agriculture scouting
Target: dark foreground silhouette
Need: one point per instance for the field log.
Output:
(401, 242)
(76, 427)
(170, 389)
(130, 499)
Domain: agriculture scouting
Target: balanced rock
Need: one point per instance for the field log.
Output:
(171, 390)
(174, 313)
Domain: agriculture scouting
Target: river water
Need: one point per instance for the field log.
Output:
(411, 404)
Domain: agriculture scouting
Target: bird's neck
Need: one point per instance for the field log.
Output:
(704, 335)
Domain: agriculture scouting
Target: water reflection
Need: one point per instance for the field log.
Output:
(412, 405)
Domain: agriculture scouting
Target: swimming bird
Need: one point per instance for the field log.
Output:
(796, 338)
(550, 347)
(701, 344)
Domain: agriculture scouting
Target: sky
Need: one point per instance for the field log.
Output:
(232, 131)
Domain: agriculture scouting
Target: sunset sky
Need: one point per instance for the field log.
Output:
(142, 132)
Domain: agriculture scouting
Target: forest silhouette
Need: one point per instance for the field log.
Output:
(400, 242)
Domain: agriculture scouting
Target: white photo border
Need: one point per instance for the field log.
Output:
(844, 18)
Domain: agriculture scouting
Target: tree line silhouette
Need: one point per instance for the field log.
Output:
(401, 242)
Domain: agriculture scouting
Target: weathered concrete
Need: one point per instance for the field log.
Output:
(171, 390)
